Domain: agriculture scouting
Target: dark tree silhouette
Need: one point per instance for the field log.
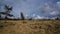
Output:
(7, 12)
(0, 16)
(8, 7)
(57, 18)
(22, 16)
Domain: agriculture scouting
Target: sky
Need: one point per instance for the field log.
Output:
(37, 9)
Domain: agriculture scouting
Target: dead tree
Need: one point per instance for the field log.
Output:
(22, 16)
(7, 12)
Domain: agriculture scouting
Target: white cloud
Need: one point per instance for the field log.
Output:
(54, 13)
(58, 2)
(58, 5)
(39, 17)
(33, 15)
(26, 15)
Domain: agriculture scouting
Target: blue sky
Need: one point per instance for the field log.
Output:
(38, 9)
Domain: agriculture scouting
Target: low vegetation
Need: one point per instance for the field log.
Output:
(29, 26)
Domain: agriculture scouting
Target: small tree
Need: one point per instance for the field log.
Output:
(7, 12)
(0, 16)
(57, 18)
(22, 16)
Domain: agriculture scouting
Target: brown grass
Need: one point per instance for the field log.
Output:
(29, 27)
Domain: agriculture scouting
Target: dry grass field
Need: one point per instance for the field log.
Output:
(29, 26)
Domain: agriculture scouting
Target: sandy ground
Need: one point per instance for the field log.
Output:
(29, 26)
